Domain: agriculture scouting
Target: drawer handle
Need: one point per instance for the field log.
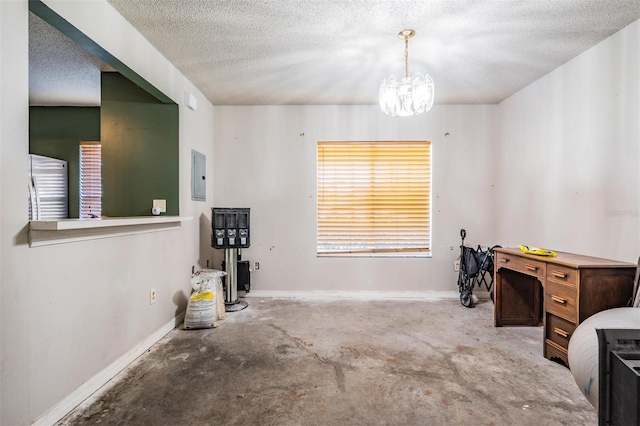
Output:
(504, 259)
(560, 332)
(531, 268)
(558, 299)
(559, 274)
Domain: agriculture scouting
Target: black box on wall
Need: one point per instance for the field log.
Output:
(230, 228)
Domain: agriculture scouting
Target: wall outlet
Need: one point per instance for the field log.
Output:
(456, 265)
(152, 296)
(161, 204)
(256, 266)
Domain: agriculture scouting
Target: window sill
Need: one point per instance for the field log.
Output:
(48, 232)
(389, 255)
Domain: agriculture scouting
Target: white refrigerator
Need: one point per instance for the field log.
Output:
(48, 188)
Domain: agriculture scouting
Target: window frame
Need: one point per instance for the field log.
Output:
(94, 179)
(369, 216)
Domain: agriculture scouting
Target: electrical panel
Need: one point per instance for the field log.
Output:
(198, 176)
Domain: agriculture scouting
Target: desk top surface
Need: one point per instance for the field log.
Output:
(568, 259)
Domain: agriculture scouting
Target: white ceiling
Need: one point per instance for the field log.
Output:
(60, 71)
(275, 52)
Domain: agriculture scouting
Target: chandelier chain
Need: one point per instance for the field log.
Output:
(406, 57)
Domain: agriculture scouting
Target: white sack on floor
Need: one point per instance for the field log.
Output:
(205, 306)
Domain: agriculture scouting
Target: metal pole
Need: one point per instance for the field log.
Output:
(231, 286)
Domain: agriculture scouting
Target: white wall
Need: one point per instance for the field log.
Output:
(565, 151)
(265, 159)
(568, 172)
(69, 311)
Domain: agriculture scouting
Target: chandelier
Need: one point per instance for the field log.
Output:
(410, 96)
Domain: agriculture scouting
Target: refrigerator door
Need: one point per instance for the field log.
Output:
(48, 188)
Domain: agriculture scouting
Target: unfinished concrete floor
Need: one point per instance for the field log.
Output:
(341, 362)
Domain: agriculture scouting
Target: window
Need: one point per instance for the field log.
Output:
(90, 180)
(374, 197)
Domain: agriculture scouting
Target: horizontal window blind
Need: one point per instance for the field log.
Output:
(90, 180)
(374, 197)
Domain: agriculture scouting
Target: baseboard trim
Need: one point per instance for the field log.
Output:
(357, 295)
(75, 398)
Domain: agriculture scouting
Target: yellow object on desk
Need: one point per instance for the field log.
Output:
(538, 251)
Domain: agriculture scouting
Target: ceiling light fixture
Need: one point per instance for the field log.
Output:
(411, 96)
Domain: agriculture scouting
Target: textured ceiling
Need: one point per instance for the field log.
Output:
(60, 71)
(247, 52)
(274, 52)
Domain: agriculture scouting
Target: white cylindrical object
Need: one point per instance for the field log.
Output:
(584, 350)
(231, 282)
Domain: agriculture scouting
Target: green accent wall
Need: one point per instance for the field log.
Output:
(56, 132)
(139, 137)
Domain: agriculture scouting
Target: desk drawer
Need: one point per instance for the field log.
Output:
(554, 352)
(559, 330)
(560, 299)
(524, 265)
(562, 274)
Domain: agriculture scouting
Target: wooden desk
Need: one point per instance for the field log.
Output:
(557, 292)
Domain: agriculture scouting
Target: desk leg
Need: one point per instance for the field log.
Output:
(517, 299)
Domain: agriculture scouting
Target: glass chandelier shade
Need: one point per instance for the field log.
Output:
(412, 95)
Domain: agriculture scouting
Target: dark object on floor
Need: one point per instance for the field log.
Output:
(243, 273)
(476, 268)
(618, 376)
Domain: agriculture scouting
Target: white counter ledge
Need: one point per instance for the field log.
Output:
(47, 232)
